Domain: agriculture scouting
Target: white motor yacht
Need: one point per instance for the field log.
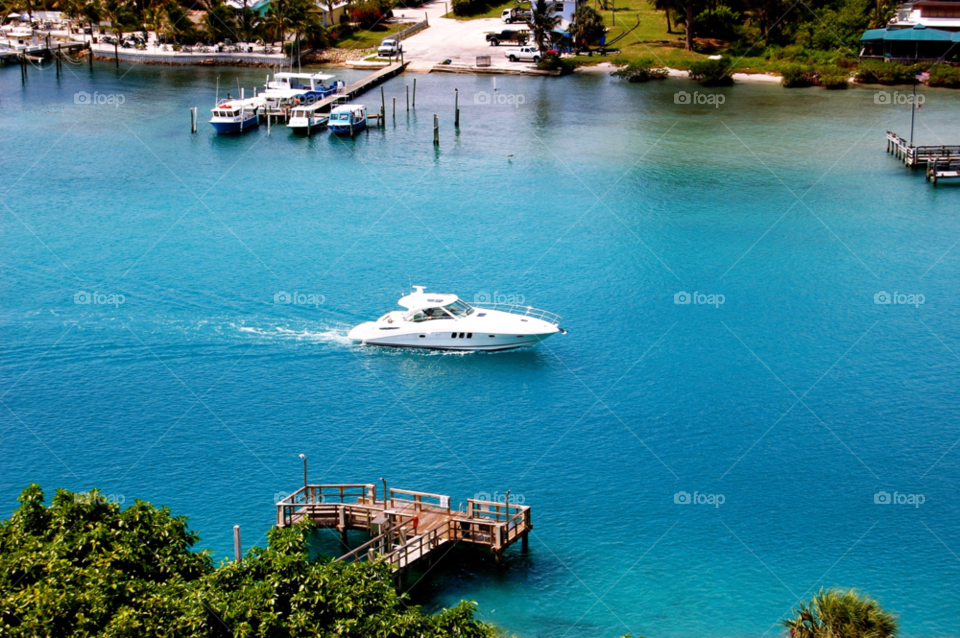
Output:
(445, 322)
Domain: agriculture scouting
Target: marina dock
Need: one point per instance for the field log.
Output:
(39, 50)
(941, 162)
(407, 526)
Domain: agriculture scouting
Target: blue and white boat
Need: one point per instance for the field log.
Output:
(293, 89)
(236, 116)
(347, 119)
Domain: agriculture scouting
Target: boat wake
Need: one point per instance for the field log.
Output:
(332, 335)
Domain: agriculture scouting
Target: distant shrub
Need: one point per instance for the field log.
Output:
(945, 76)
(720, 23)
(871, 72)
(794, 76)
(462, 7)
(834, 79)
(712, 72)
(556, 63)
(641, 71)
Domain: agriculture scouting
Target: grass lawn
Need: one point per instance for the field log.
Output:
(487, 9)
(649, 40)
(362, 40)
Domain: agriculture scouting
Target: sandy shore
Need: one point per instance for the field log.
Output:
(606, 67)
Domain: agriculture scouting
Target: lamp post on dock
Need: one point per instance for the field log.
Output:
(305, 494)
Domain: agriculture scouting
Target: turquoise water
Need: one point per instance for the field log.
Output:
(793, 402)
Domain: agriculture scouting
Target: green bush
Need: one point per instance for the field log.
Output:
(720, 23)
(556, 63)
(795, 76)
(82, 568)
(640, 71)
(462, 7)
(712, 72)
(887, 73)
(834, 79)
(945, 76)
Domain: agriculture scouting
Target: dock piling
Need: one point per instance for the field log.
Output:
(407, 89)
(394, 107)
(436, 130)
(383, 107)
(237, 554)
(90, 48)
(456, 108)
(193, 120)
(414, 94)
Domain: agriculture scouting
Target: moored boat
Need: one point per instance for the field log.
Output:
(303, 119)
(347, 119)
(236, 116)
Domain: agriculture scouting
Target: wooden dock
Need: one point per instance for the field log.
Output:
(407, 526)
(350, 92)
(916, 156)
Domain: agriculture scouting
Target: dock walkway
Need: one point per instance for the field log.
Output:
(941, 162)
(408, 526)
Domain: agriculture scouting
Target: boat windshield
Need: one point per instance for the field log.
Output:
(427, 314)
(459, 309)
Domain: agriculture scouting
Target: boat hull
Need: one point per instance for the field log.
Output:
(344, 129)
(434, 340)
(223, 128)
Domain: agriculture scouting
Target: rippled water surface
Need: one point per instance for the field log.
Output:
(794, 402)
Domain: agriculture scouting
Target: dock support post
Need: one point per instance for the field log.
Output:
(524, 542)
(268, 122)
(193, 120)
(407, 88)
(237, 554)
(90, 48)
(394, 107)
(23, 69)
(116, 53)
(436, 130)
(57, 61)
(414, 94)
(456, 108)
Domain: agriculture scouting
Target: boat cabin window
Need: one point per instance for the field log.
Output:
(427, 314)
(459, 309)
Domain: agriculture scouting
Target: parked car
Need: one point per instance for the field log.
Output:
(508, 35)
(523, 54)
(515, 15)
(389, 48)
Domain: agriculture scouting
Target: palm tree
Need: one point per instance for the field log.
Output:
(542, 22)
(836, 613)
(587, 26)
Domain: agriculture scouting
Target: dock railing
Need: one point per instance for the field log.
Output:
(496, 523)
(516, 309)
(419, 500)
(319, 501)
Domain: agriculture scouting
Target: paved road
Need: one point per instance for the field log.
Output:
(460, 41)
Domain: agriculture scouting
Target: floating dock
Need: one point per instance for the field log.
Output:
(407, 526)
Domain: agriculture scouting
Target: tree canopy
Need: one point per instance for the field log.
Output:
(83, 567)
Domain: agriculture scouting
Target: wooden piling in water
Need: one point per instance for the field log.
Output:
(383, 107)
(394, 107)
(407, 89)
(436, 130)
(193, 120)
(237, 549)
(456, 108)
(414, 94)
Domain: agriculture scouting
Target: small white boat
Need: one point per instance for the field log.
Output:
(348, 119)
(236, 116)
(303, 119)
(445, 322)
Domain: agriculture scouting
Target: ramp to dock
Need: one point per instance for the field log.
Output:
(407, 526)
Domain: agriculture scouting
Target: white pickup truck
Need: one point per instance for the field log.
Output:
(523, 54)
(389, 48)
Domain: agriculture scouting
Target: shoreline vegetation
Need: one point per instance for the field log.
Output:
(84, 567)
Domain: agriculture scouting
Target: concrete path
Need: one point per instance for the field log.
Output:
(460, 41)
